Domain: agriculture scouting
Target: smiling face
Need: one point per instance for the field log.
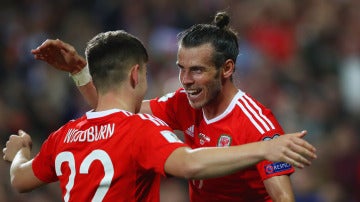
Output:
(198, 74)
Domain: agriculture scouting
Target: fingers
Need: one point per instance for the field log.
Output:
(297, 139)
(297, 159)
(298, 134)
(26, 138)
(301, 153)
(301, 144)
(12, 145)
(51, 46)
(60, 55)
(44, 45)
(295, 150)
(310, 149)
(15, 143)
(6, 156)
(294, 163)
(4, 152)
(22, 133)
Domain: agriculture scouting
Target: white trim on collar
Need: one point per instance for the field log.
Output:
(92, 114)
(231, 106)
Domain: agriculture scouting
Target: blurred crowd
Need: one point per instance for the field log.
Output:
(299, 58)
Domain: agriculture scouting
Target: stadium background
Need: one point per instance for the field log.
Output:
(300, 58)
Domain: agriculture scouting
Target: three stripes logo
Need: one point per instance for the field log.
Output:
(190, 131)
(255, 114)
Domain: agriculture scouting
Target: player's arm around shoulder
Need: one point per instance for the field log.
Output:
(18, 152)
(210, 162)
(218, 161)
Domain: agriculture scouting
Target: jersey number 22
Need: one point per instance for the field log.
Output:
(100, 155)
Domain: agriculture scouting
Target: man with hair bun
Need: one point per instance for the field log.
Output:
(209, 109)
(221, 115)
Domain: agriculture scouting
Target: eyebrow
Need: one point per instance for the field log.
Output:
(177, 64)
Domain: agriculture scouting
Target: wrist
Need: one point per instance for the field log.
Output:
(80, 65)
(262, 150)
(25, 152)
(82, 77)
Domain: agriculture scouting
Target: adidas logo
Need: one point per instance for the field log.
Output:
(190, 131)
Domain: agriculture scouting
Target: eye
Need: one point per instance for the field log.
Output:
(197, 70)
(181, 69)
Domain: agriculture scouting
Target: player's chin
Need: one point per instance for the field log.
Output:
(196, 104)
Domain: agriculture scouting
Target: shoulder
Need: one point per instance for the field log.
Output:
(147, 123)
(170, 104)
(178, 94)
(247, 102)
(256, 115)
(56, 136)
(148, 119)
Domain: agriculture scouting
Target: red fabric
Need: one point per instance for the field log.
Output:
(244, 121)
(131, 148)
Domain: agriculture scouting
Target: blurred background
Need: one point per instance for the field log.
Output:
(299, 58)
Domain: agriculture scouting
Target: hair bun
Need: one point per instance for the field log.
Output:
(221, 19)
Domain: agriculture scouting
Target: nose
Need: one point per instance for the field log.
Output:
(185, 78)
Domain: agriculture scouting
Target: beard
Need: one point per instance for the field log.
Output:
(210, 93)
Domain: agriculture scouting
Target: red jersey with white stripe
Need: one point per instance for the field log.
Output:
(112, 155)
(244, 121)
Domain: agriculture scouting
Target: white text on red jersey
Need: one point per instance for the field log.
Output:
(91, 134)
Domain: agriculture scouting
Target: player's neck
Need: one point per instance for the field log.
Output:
(221, 102)
(115, 101)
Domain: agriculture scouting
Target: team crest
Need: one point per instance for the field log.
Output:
(224, 141)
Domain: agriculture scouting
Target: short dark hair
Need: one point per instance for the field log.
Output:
(109, 56)
(218, 34)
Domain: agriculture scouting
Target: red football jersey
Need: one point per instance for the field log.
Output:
(245, 120)
(112, 155)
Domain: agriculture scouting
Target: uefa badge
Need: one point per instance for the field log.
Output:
(224, 141)
(269, 169)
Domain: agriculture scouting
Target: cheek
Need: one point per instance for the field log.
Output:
(213, 85)
(180, 77)
(207, 80)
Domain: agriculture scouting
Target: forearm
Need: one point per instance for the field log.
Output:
(19, 166)
(213, 162)
(216, 162)
(280, 188)
(89, 93)
(83, 81)
(18, 152)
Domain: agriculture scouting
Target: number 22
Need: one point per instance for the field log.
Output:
(100, 155)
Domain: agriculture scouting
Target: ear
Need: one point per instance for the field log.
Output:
(228, 68)
(134, 75)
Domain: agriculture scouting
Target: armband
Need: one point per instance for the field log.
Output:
(83, 77)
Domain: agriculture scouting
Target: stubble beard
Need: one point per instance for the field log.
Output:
(211, 93)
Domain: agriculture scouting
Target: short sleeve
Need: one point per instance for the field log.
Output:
(43, 162)
(268, 169)
(165, 108)
(155, 145)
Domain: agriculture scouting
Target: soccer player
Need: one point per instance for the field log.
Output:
(113, 153)
(209, 109)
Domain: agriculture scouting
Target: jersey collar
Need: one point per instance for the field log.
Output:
(227, 111)
(92, 114)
